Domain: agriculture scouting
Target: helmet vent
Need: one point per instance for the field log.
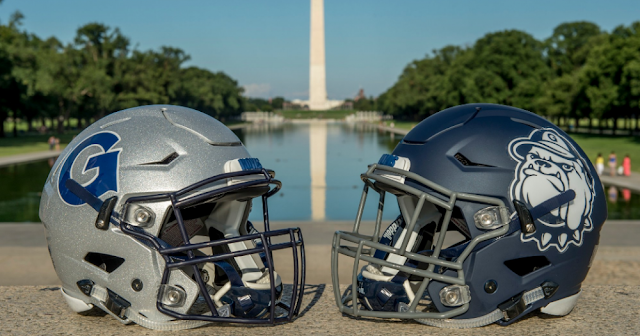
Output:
(164, 161)
(525, 122)
(413, 142)
(226, 144)
(105, 262)
(466, 162)
(524, 266)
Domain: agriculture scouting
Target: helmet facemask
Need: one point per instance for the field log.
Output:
(218, 267)
(394, 282)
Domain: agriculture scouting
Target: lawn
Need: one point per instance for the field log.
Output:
(402, 124)
(593, 144)
(30, 143)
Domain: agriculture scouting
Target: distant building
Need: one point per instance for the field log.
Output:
(360, 95)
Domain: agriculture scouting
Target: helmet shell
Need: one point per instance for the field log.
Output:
(139, 151)
(511, 154)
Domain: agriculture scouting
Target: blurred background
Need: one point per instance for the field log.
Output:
(389, 65)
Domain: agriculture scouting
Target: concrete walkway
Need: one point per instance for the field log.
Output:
(32, 304)
(601, 310)
(631, 182)
(24, 258)
(29, 157)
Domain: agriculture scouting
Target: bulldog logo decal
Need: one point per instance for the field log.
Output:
(549, 165)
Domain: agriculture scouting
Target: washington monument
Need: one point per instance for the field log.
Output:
(317, 69)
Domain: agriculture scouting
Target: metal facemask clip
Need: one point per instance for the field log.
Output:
(395, 162)
(491, 217)
(238, 165)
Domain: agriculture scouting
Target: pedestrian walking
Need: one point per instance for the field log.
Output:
(51, 142)
(626, 165)
(600, 164)
(613, 163)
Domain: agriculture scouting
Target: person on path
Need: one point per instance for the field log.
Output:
(613, 163)
(51, 142)
(626, 165)
(600, 164)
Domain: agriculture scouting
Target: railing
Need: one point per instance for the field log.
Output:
(269, 117)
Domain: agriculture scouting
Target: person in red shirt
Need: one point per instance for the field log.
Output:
(626, 165)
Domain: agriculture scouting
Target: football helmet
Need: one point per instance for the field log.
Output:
(146, 218)
(500, 215)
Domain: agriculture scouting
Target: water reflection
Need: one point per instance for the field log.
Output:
(622, 203)
(318, 164)
(20, 189)
(613, 194)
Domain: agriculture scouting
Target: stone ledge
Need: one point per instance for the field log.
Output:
(601, 310)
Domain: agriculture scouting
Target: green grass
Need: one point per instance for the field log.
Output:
(31, 143)
(294, 114)
(593, 144)
(402, 124)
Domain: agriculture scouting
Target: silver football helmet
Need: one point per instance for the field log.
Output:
(146, 214)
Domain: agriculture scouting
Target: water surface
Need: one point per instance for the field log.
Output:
(287, 149)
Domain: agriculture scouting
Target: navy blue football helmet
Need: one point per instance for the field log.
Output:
(500, 215)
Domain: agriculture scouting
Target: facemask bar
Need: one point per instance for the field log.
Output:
(180, 201)
(367, 244)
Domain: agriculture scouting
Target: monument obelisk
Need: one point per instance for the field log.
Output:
(317, 70)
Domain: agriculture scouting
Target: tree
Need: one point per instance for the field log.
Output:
(612, 75)
(277, 103)
(213, 93)
(568, 47)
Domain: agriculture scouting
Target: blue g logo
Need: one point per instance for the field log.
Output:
(105, 163)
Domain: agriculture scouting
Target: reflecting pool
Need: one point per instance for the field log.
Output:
(319, 165)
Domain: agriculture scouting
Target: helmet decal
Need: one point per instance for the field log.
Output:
(104, 163)
(549, 165)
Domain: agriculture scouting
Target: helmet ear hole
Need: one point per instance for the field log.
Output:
(526, 265)
(105, 262)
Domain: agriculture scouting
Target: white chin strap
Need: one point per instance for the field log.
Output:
(559, 308)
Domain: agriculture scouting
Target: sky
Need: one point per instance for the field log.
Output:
(264, 45)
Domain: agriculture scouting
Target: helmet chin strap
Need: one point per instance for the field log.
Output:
(385, 289)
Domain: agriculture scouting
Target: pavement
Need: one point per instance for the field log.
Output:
(631, 182)
(24, 258)
(31, 303)
(601, 310)
(29, 157)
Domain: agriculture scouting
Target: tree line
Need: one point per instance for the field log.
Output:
(99, 73)
(580, 72)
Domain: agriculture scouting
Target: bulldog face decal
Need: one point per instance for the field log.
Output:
(548, 165)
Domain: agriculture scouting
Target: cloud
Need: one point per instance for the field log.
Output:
(261, 90)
